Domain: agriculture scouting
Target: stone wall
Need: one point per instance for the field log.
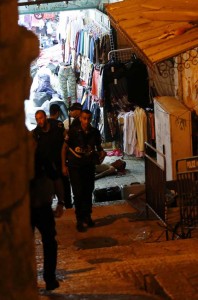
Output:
(18, 47)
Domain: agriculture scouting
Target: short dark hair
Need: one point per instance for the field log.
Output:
(86, 111)
(54, 108)
(75, 106)
(40, 111)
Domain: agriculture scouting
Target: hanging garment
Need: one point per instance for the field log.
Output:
(67, 82)
(114, 86)
(114, 92)
(137, 83)
(140, 120)
(85, 69)
(95, 82)
(150, 127)
(91, 50)
(95, 109)
(129, 134)
(105, 48)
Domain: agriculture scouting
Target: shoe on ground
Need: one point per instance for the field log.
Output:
(52, 285)
(80, 227)
(89, 222)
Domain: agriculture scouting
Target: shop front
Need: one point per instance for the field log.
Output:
(164, 36)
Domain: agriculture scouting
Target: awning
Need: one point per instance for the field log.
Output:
(156, 29)
(54, 6)
(41, 6)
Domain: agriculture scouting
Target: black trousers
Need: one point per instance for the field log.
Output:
(43, 219)
(67, 191)
(62, 187)
(82, 182)
(62, 190)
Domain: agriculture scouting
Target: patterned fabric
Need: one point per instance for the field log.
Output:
(67, 83)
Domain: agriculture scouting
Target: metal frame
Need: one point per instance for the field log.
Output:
(156, 187)
(39, 2)
(187, 189)
(121, 55)
(155, 180)
(41, 6)
(179, 62)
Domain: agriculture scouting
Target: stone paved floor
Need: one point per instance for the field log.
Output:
(124, 257)
(120, 259)
(85, 260)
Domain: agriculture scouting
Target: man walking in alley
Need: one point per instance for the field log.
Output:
(79, 155)
(49, 137)
(74, 114)
(42, 218)
(54, 118)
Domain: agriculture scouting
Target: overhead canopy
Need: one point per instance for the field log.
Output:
(156, 29)
(40, 6)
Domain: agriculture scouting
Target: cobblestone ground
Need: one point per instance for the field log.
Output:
(93, 265)
(120, 258)
(124, 257)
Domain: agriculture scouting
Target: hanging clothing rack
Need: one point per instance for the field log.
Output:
(121, 55)
(97, 28)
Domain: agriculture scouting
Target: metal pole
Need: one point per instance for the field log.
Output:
(38, 2)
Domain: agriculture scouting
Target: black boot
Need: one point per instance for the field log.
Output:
(88, 220)
(80, 226)
(52, 285)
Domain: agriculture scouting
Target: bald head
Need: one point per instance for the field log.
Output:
(41, 118)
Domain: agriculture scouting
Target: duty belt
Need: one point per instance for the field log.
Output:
(72, 151)
(79, 152)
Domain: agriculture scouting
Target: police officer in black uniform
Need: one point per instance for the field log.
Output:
(80, 153)
(54, 115)
(42, 218)
(49, 137)
(42, 188)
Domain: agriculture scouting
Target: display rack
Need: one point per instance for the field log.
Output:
(121, 55)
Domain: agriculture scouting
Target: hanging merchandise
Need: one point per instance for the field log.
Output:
(91, 43)
(65, 68)
(96, 115)
(137, 82)
(129, 133)
(114, 96)
(67, 83)
(124, 93)
(150, 127)
(140, 120)
(138, 127)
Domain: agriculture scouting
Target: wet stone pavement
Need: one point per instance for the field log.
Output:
(124, 257)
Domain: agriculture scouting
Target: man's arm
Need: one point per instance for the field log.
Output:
(99, 147)
(64, 150)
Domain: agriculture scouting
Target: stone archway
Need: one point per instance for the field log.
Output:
(18, 47)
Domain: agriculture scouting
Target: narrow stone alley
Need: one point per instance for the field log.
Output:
(124, 257)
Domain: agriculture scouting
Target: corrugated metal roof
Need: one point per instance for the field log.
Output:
(157, 29)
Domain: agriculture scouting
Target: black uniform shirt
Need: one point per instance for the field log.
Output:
(82, 144)
(49, 144)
